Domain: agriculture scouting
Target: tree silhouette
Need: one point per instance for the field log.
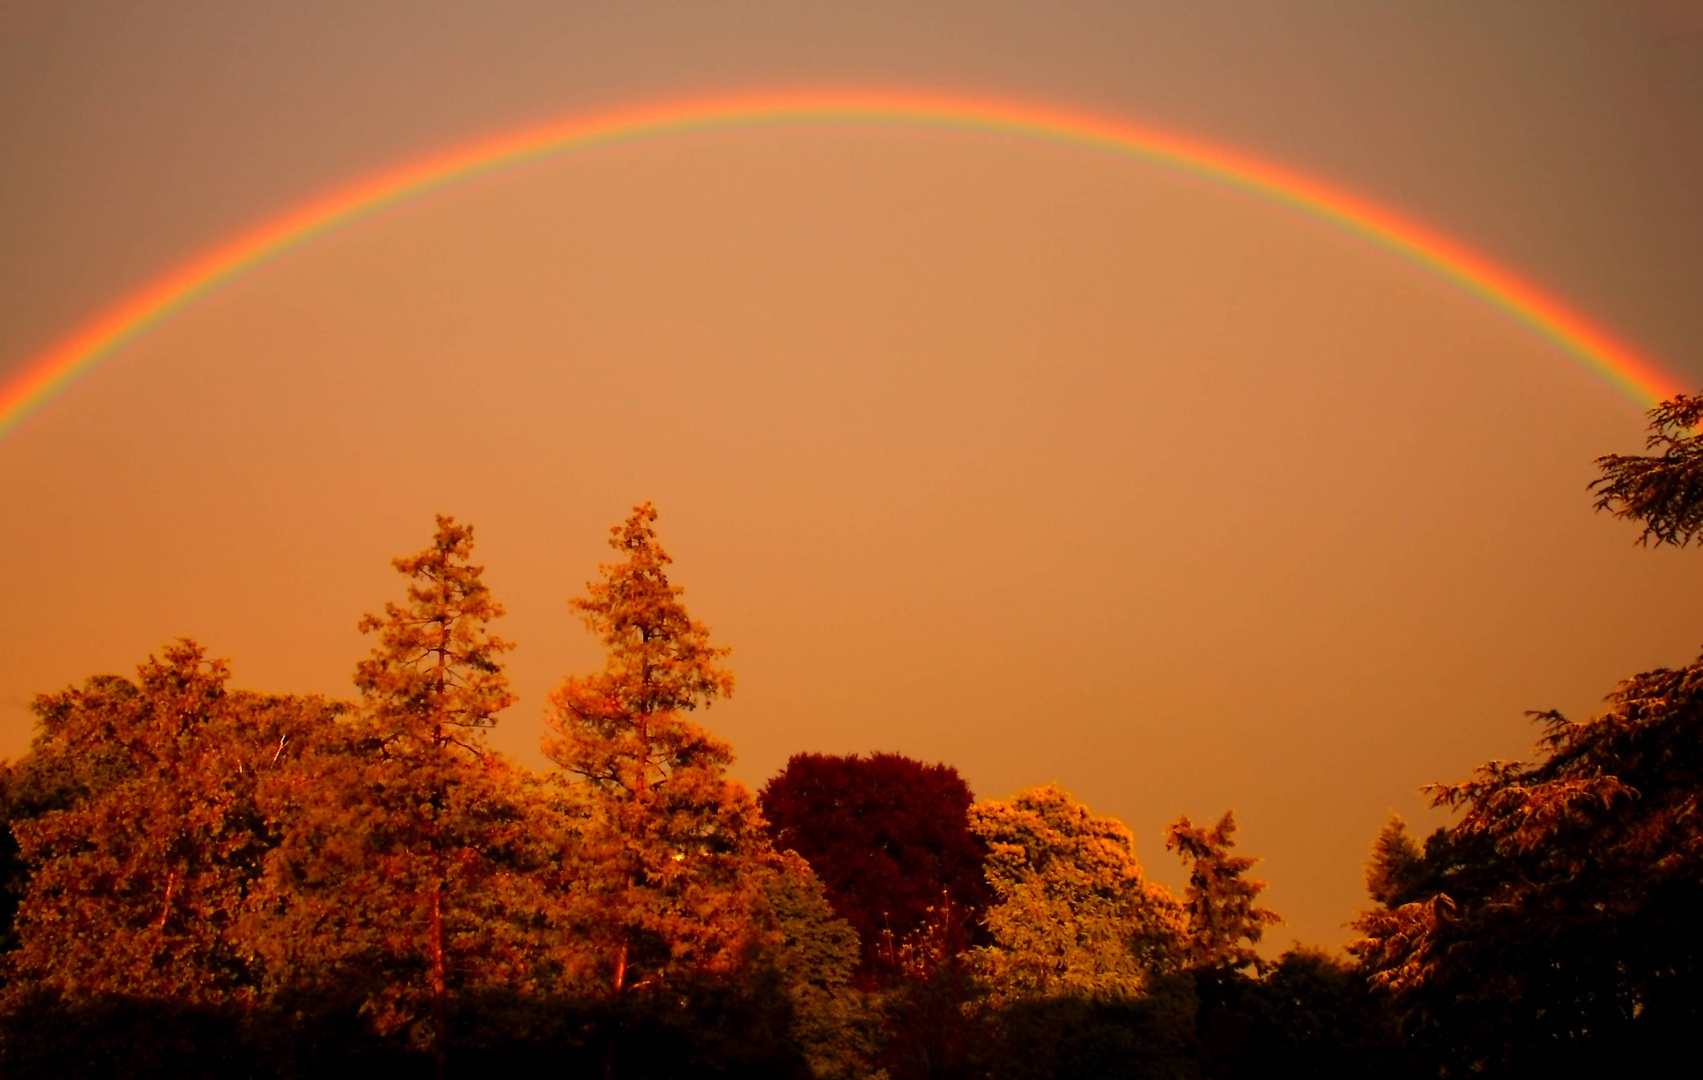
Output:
(1664, 491)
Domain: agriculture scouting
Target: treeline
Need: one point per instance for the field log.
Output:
(204, 881)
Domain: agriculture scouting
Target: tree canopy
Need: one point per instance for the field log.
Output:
(206, 881)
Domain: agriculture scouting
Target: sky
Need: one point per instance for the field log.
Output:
(1041, 462)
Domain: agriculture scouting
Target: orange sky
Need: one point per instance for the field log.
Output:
(1042, 463)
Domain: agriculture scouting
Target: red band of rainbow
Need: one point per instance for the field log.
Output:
(1617, 363)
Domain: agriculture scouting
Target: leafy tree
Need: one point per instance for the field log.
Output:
(673, 852)
(1665, 490)
(147, 836)
(1556, 918)
(1073, 915)
(394, 883)
(1309, 1014)
(816, 953)
(1553, 924)
(889, 836)
(1220, 902)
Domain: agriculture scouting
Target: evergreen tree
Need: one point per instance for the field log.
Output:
(1665, 490)
(1220, 902)
(1555, 920)
(396, 881)
(673, 853)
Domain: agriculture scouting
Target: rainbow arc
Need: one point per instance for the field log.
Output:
(42, 378)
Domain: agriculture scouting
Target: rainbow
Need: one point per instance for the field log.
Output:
(51, 372)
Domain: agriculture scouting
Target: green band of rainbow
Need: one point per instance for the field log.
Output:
(52, 371)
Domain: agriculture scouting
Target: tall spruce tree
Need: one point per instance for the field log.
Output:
(674, 852)
(391, 883)
(1224, 922)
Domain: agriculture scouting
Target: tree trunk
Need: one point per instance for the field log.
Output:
(438, 983)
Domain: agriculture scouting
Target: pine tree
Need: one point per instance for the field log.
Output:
(1219, 902)
(394, 881)
(673, 851)
(1394, 862)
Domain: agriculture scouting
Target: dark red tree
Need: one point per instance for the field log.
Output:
(889, 838)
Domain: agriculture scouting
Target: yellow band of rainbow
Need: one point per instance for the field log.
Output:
(44, 376)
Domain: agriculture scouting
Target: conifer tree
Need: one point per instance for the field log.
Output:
(391, 881)
(1394, 862)
(1663, 490)
(674, 852)
(1219, 902)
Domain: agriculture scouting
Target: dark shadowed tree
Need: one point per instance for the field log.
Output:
(1553, 925)
(1556, 920)
(889, 837)
(1663, 490)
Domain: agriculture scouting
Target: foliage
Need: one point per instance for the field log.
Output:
(673, 852)
(1307, 1014)
(889, 837)
(141, 862)
(1072, 916)
(1665, 490)
(1557, 916)
(211, 882)
(1219, 902)
(394, 883)
(1071, 1038)
(815, 954)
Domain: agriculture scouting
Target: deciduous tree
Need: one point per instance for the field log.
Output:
(141, 866)
(1073, 915)
(889, 836)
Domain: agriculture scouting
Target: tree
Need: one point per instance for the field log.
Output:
(393, 881)
(1557, 916)
(673, 852)
(148, 836)
(1394, 862)
(889, 836)
(1073, 915)
(816, 953)
(1554, 923)
(1664, 491)
(1219, 902)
